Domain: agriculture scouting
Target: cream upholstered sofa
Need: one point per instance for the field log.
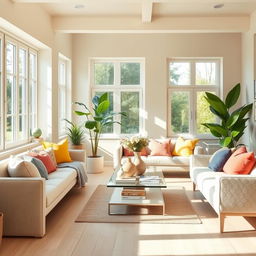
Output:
(172, 162)
(25, 202)
(228, 195)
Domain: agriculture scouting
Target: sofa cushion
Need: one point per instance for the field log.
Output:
(184, 147)
(57, 182)
(160, 148)
(219, 158)
(39, 165)
(240, 162)
(163, 160)
(18, 167)
(127, 152)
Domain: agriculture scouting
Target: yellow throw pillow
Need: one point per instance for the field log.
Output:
(60, 150)
(184, 147)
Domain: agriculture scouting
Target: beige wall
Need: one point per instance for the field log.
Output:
(156, 48)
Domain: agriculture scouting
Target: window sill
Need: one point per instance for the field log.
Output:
(19, 149)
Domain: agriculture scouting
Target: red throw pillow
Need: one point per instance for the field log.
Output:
(45, 158)
(240, 162)
(160, 148)
(127, 152)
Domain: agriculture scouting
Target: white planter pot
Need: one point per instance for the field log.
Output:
(95, 164)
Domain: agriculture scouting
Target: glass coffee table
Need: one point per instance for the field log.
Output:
(140, 191)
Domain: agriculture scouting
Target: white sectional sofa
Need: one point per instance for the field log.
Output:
(229, 195)
(25, 202)
(173, 162)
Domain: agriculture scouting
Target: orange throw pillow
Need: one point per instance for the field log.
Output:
(160, 148)
(240, 162)
(127, 152)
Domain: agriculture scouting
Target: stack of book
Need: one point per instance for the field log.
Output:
(133, 193)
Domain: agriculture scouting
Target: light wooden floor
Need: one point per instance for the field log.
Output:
(65, 237)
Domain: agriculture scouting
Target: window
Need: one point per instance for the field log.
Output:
(123, 79)
(189, 79)
(18, 114)
(64, 92)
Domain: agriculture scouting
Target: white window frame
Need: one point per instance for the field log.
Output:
(117, 88)
(27, 138)
(192, 89)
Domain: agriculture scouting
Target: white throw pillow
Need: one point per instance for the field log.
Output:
(18, 167)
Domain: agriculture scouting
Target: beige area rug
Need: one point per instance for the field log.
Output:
(178, 209)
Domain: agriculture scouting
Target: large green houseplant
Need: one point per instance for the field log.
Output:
(96, 120)
(232, 124)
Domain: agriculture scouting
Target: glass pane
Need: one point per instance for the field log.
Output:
(180, 112)
(10, 58)
(32, 66)
(109, 128)
(22, 96)
(203, 113)
(104, 73)
(130, 73)
(10, 94)
(22, 127)
(22, 62)
(179, 73)
(130, 103)
(9, 129)
(206, 73)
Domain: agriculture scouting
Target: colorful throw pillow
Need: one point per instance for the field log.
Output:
(18, 167)
(219, 158)
(60, 150)
(46, 160)
(39, 165)
(160, 148)
(127, 152)
(240, 162)
(48, 151)
(184, 147)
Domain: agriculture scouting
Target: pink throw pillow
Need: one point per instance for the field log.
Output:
(240, 162)
(127, 152)
(160, 148)
(45, 158)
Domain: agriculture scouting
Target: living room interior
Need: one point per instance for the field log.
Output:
(57, 55)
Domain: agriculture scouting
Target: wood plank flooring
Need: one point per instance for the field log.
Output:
(65, 237)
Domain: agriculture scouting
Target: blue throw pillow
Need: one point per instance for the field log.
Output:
(39, 165)
(219, 158)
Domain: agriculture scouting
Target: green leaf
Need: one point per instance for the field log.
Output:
(217, 113)
(217, 128)
(233, 96)
(226, 142)
(235, 133)
(245, 110)
(97, 118)
(239, 136)
(79, 113)
(103, 97)
(103, 107)
(90, 124)
(233, 119)
(216, 103)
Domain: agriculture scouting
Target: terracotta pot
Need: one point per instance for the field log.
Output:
(95, 164)
(139, 163)
(81, 146)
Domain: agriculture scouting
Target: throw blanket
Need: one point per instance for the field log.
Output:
(81, 175)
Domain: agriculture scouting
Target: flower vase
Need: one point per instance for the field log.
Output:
(139, 163)
(129, 169)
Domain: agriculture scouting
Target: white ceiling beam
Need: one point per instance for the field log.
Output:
(81, 24)
(146, 12)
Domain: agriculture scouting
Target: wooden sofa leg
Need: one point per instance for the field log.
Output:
(194, 186)
(222, 219)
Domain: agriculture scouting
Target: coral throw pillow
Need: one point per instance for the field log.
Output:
(240, 162)
(60, 150)
(158, 148)
(45, 158)
(127, 152)
(184, 147)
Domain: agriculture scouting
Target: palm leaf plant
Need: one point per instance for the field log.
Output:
(97, 119)
(75, 133)
(232, 124)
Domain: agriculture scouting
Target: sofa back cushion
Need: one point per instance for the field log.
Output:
(39, 165)
(160, 148)
(219, 158)
(240, 162)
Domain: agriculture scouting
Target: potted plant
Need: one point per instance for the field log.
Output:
(75, 134)
(96, 119)
(232, 124)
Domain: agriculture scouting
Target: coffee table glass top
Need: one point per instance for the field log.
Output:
(152, 178)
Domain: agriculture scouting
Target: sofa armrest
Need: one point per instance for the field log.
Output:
(77, 154)
(117, 156)
(237, 193)
(23, 203)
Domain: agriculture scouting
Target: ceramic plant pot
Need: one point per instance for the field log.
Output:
(139, 163)
(95, 164)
